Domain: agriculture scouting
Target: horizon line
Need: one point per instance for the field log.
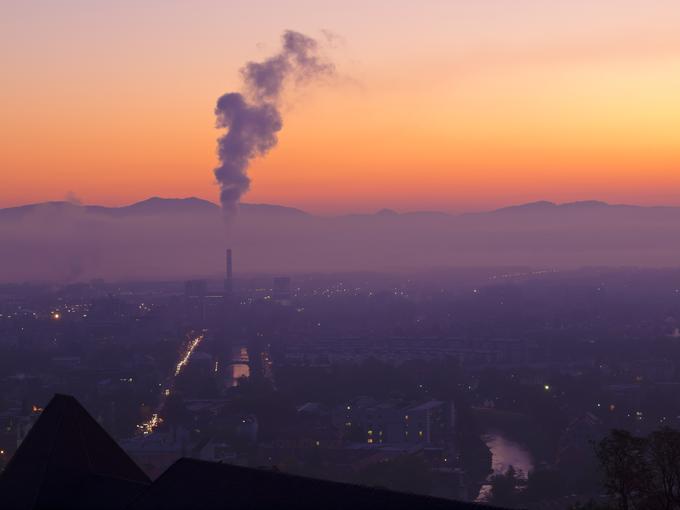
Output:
(377, 211)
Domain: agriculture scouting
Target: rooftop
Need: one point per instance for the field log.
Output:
(69, 461)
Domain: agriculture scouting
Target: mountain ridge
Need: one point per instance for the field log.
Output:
(173, 205)
(149, 206)
(163, 238)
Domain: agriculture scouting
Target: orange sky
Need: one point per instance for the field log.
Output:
(450, 105)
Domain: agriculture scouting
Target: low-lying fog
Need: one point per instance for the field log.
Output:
(186, 238)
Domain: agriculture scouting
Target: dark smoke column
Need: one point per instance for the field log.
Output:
(252, 118)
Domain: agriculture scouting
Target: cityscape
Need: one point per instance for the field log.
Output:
(338, 254)
(431, 383)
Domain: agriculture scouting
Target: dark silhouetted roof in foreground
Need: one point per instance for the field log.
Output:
(69, 461)
(206, 485)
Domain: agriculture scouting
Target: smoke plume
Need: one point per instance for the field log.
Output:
(252, 117)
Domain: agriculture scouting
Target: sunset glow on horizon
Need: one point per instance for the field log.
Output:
(453, 106)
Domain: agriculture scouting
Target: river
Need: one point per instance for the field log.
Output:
(504, 453)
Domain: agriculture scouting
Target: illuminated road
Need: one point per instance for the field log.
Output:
(152, 423)
(187, 354)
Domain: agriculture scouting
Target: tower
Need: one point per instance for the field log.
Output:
(228, 305)
(228, 283)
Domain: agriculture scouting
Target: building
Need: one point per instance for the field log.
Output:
(69, 461)
(394, 421)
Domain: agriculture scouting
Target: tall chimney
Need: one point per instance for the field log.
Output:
(228, 285)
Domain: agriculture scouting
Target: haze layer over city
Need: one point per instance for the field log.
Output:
(340, 254)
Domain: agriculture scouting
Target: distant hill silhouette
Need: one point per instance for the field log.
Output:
(150, 206)
(193, 205)
(180, 238)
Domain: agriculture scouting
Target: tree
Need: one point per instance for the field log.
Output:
(625, 466)
(504, 488)
(664, 460)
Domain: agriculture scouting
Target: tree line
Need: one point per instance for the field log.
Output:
(635, 473)
(641, 473)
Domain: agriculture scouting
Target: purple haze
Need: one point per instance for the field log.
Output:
(175, 239)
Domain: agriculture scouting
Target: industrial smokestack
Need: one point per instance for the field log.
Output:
(252, 118)
(228, 284)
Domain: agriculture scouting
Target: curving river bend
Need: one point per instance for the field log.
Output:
(504, 453)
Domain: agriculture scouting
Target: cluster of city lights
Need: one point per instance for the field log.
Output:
(191, 347)
(151, 424)
(519, 275)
